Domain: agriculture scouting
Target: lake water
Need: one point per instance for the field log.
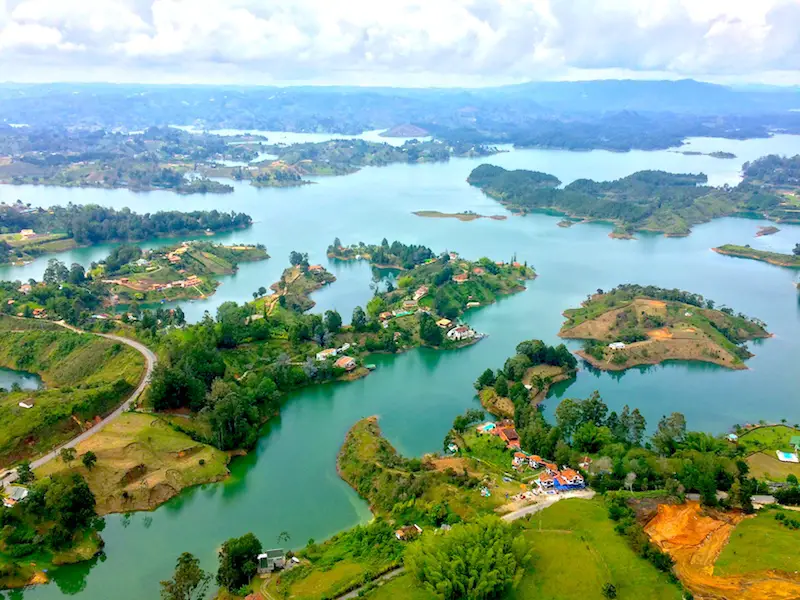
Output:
(25, 380)
(289, 482)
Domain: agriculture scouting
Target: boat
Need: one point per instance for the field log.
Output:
(370, 367)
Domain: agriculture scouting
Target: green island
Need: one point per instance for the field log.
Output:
(491, 507)
(774, 258)
(654, 201)
(716, 154)
(466, 215)
(28, 232)
(184, 271)
(645, 325)
(292, 162)
(769, 230)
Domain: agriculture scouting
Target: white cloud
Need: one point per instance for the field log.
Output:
(397, 41)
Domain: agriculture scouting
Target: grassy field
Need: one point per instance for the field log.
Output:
(761, 543)
(141, 463)
(761, 444)
(84, 376)
(577, 551)
(401, 587)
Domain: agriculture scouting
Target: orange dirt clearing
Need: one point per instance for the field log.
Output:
(660, 334)
(694, 540)
(653, 303)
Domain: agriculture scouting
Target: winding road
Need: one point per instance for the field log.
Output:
(150, 362)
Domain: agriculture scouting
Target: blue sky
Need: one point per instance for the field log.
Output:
(398, 42)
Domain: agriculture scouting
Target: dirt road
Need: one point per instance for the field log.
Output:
(547, 501)
(150, 362)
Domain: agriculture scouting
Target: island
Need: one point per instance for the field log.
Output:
(466, 215)
(769, 230)
(290, 163)
(27, 232)
(717, 154)
(634, 325)
(774, 258)
(183, 271)
(655, 201)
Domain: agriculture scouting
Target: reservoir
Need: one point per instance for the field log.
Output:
(289, 482)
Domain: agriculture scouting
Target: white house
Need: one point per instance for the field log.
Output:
(14, 494)
(617, 345)
(271, 560)
(420, 293)
(25, 405)
(545, 481)
(326, 354)
(520, 458)
(460, 333)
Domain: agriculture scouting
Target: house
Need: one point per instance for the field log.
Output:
(585, 463)
(535, 461)
(572, 477)
(473, 304)
(25, 405)
(444, 323)
(385, 316)
(14, 494)
(408, 304)
(39, 313)
(409, 532)
(520, 458)
(794, 441)
(271, 560)
(345, 347)
(453, 255)
(510, 436)
(25, 288)
(617, 345)
(479, 270)
(314, 268)
(326, 354)
(545, 481)
(27, 233)
(550, 468)
(461, 278)
(460, 333)
(173, 258)
(142, 262)
(346, 362)
(421, 293)
(452, 448)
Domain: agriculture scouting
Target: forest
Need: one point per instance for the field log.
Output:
(91, 224)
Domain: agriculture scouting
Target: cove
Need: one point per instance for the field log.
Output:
(25, 380)
(289, 481)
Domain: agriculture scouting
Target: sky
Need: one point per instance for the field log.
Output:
(398, 42)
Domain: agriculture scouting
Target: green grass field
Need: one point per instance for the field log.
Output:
(84, 376)
(401, 587)
(577, 552)
(763, 439)
(761, 543)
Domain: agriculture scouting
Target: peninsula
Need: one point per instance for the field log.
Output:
(636, 325)
(774, 258)
(654, 201)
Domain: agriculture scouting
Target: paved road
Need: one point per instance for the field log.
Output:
(150, 362)
(547, 501)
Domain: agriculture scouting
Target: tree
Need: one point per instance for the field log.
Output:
(501, 385)
(486, 379)
(796, 250)
(359, 319)
(568, 415)
(375, 307)
(262, 291)
(791, 479)
(237, 561)
(56, 272)
(609, 591)
(77, 274)
(473, 561)
(333, 321)
(189, 582)
(89, 460)
(593, 409)
(472, 416)
(298, 259)
(67, 455)
(71, 500)
(429, 331)
(670, 434)
(24, 472)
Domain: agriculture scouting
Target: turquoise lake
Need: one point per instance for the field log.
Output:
(289, 482)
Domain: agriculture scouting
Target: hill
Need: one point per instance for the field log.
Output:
(635, 325)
